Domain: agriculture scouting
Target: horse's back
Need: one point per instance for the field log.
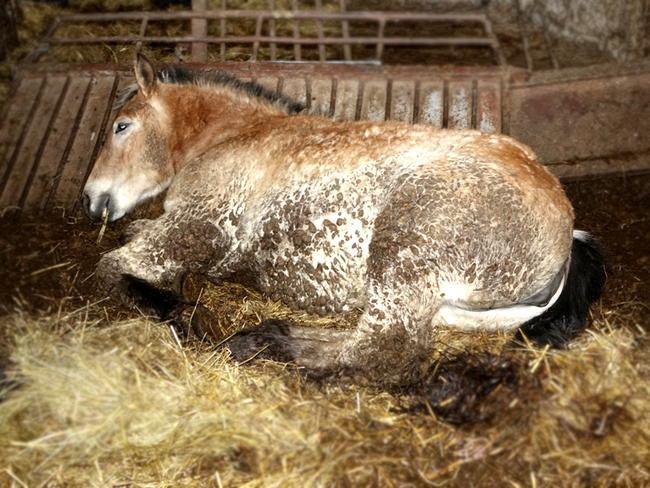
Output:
(338, 203)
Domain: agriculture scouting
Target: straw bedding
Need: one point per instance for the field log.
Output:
(97, 395)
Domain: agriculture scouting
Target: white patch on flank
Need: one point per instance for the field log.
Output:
(456, 292)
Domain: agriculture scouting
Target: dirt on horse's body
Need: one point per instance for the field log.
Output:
(415, 226)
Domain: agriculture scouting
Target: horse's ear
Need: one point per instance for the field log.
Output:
(145, 75)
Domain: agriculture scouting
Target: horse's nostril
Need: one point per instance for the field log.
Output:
(98, 208)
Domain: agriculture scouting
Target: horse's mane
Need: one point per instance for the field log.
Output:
(183, 76)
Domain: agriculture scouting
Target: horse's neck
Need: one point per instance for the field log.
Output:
(207, 119)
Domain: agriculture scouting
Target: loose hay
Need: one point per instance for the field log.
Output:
(125, 404)
(146, 411)
(107, 398)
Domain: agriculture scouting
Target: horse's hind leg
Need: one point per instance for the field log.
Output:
(395, 329)
(278, 340)
(394, 333)
(388, 338)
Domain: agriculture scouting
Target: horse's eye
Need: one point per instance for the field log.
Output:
(120, 126)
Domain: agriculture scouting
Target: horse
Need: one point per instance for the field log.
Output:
(414, 227)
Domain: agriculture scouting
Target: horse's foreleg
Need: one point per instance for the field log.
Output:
(149, 271)
(140, 262)
(152, 281)
(154, 262)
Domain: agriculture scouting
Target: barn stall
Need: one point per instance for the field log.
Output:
(96, 393)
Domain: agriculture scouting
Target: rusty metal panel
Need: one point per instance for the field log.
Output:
(432, 103)
(295, 89)
(402, 101)
(96, 112)
(460, 105)
(270, 83)
(321, 101)
(55, 124)
(373, 103)
(58, 142)
(347, 93)
(488, 105)
(14, 125)
(29, 152)
(583, 119)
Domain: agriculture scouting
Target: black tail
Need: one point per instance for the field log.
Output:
(584, 284)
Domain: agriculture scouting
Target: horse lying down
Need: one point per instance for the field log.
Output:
(417, 227)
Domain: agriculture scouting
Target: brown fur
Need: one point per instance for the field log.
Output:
(411, 224)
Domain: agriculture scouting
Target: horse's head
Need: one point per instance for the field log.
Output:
(135, 162)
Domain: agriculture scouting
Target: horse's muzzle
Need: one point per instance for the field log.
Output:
(97, 209)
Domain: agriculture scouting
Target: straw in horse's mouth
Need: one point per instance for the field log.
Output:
(104, 224)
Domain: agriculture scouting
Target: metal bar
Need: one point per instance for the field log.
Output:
(199, 29)
(524, 35)
(143, 33)
(549, 48)
(645, 47)
(296, 30)
(392, 41)
(258, 35)
(500, 58)
(277, 14)
(319, 31)
(44, 45)
(273, 46)
(547, 44)
(222, 32)
(55, 24)
(345, 30)
(380, 35)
